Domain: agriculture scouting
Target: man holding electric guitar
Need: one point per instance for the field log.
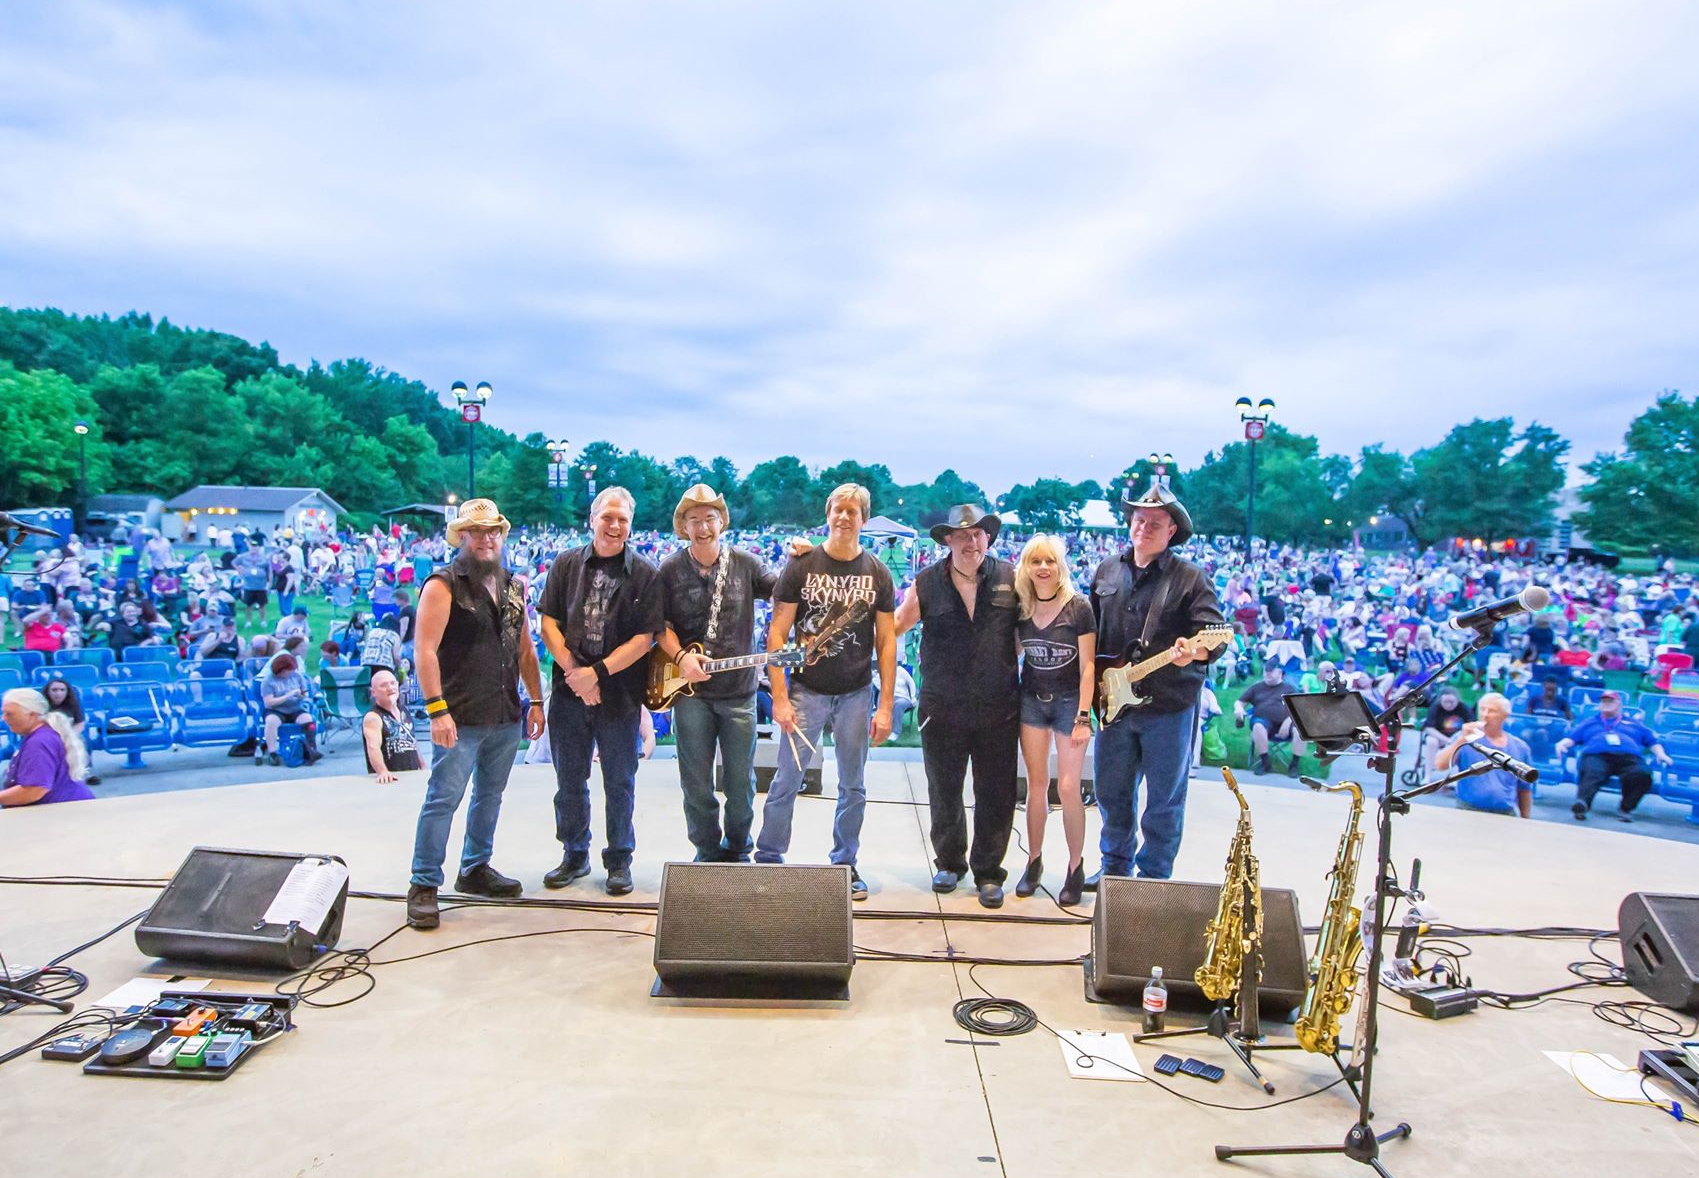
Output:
(1149, 602)
(709, 592)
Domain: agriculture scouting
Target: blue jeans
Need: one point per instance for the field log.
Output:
(575, 731)
(483, 756)
(1158, 749)
(702, 725)
(848, 714)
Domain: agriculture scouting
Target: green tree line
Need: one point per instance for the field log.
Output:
(168, 408)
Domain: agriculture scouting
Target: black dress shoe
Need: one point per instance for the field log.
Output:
(1090, 884)
(990, 895)
(1029, 879)
(945, 882)
(1072, 887)
(422, 911)
(572, 867)
(619, 881)
(484, 880)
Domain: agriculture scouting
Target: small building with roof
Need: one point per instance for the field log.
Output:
(306, 511)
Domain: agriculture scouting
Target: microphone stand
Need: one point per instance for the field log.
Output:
(1362, 1144)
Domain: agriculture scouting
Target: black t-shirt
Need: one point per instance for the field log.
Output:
(405, 619)
(1050, 658)
(1267, 701)
(603, 576)
(1322, 583)
(687, 597)
(836, 603)
(400, 748)
(1447, 721)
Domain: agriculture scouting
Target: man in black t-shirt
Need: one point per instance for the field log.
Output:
(709, 592)
(1445, 719)
(1264, 704)
(601, 612)
(841, 602)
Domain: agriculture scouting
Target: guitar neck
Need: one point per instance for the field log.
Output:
(715, 666)
(1154, 663)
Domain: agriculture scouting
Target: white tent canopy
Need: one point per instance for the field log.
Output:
(881, 525)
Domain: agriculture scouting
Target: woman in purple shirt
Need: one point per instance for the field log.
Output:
(50, 760)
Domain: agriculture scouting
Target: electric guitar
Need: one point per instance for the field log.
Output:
(667, 681)
(1115, 685)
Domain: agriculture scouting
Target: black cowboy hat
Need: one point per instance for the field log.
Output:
(1156, 495)
(965, 517)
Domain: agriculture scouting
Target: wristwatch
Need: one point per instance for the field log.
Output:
(1083, 717)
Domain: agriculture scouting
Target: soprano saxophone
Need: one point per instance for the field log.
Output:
(1333, 970)
(1226, 940)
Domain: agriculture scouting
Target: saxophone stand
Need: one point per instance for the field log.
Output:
(1243, 1034)
(1339, 722)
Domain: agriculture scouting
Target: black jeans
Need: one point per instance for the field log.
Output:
(992, 749)
(1598, 768)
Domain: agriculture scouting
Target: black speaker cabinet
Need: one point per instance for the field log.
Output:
(1139, 923)
(213, 911)
(1660, 947)
(753, 930)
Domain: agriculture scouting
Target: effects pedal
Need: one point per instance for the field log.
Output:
(72, 1048)
(225, 1048)
(1168, 1065)
(1437, 1002)
(1203, 1071)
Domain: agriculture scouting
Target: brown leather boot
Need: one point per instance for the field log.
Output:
(422, 911)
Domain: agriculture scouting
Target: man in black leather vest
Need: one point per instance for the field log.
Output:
(969, 698)
(473, 648)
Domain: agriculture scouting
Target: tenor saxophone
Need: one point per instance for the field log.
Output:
(1333, 969)
(1226, 940)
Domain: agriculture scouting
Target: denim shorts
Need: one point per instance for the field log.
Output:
(1055, 712)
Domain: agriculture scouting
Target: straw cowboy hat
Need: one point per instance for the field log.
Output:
(966, 517)
(476, 513)
(1157, 495)
(701, 495)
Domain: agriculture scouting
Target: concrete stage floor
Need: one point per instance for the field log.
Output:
(545, 1055)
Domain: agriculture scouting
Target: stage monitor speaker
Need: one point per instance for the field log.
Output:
(753, 930)
(1660, 947)
(1140, 923)
(214, 908)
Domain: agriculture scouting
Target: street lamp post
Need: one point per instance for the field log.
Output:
(559, 452)
(1159, 464)
(590, 480)
(471, 411)
(1256, 426)
(82, 474)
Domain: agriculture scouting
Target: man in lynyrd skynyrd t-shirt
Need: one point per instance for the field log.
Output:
(842, 603)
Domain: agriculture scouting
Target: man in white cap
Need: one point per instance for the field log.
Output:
(708, 594)
(473, 647)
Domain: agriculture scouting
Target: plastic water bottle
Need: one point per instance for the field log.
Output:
(1155, 1001)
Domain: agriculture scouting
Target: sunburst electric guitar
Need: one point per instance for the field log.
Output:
(1117, 685)
(667, 682)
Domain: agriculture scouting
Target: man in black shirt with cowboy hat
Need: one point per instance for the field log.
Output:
(969, 698)
(708, 594)
(474, 648)
(1147, 599)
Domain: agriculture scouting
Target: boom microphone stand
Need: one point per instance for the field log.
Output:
(1336, 722)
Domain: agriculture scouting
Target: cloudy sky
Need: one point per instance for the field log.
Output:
(1020, 239)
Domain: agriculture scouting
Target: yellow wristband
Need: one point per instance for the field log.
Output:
(436, 708)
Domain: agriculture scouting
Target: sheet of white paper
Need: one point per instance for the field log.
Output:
(1109, 1049)
(307, 893)
(1605, 1074)
(141, 991)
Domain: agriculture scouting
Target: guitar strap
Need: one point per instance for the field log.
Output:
(723, 564)
(1161, 599)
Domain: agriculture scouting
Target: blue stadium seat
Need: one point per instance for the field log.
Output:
(1652, 704)
(149, 654)
(206, 669)
(22, 660)
(210, 712)
(95, 656)
(147, 704)
(1585, 697)
(1542, 734)
(248, 670)
(11, 677)
(147, 671)
(82, 677)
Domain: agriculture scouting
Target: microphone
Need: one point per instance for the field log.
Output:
(1485, 617)
(1503, 760)
(13, 523)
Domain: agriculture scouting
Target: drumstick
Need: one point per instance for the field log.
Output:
(796, 734)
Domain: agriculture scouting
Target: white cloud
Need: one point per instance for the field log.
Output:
(1017, 240)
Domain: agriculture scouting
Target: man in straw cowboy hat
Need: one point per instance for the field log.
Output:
(1148, 599)
(601, 612)
(969, 698)
(708, 593)
(473, 647)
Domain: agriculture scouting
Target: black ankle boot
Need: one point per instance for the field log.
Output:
(1072, 887)
(1029, 881)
